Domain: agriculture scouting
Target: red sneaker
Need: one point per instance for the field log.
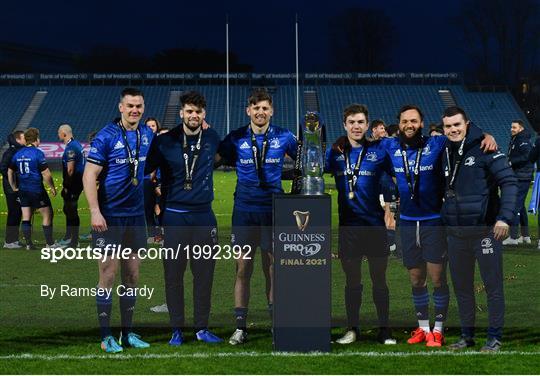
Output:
(434, 339)
(417, 336)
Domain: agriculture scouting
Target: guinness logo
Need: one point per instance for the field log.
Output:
(302, 219)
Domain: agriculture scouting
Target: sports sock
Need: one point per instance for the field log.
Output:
(127, 307)
(353, 302)
(381, 299)
(104, 307)
(48, 231)
(27, 231)
(241, 317)
(441, 299)
(421, 304)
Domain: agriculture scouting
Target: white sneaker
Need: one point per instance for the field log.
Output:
(14, 245)
(160, 308)
(510, 241)
(150, 240)
(55, 245)
(538, 244)
(238, 337)
(392, 247)
(526, 239)
(348, 337)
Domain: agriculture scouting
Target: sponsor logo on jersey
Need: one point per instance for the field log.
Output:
(427, 150)
(397, 153)
(119, 145)
(245, 145)
(340, 157)
(144, 140)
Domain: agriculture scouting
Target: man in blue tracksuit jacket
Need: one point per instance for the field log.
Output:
(518, 155)
(477, 220)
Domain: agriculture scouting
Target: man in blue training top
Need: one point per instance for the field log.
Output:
(116, 162)
(185, 157)
(257, 150)
(477, 220)
(26, 173)
(358, 168)
(72, 172)
(420, 181)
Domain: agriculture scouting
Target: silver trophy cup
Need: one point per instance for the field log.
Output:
(312, 156)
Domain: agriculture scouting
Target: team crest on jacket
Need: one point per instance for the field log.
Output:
(469, 161)
(274, 143)
(427, 150)
(372, 156)
(487, 246)
(144, 140)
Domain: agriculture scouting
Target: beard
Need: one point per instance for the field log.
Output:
(414, 141)
(193, 128)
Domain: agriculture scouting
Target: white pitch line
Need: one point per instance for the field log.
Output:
(371, 354)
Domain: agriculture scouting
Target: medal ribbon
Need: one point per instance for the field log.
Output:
(133, 161)
(450, 180)
(416, 172)
(259, 158)
(352, 175)
(186, 148)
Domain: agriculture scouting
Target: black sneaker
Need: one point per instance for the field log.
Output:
(492, 345)
(463, 343)
(30, 247)
(385, 337)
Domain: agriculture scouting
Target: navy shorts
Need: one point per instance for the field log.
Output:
(356, 241)
(35, 200)
(129, 232)
(253, 229)
(423, 241)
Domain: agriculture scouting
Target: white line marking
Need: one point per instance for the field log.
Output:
(370, 354)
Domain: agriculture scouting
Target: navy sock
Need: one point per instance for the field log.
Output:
(441, 299)
(127, 307)
(241, 317)
(48, 231)
(26, 227)
(353, 302)
(381, 299)
(104, 307)
(421, 302)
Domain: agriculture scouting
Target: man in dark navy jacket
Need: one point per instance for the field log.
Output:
(518, 155)
(477, 221)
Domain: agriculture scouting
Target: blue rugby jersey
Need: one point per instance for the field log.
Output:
(28, 163)
(73, 152)
(366, 204)
(429, 193)
(117, 196)
(166, 155)
(236, 150)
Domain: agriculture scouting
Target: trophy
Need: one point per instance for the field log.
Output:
(309, 167)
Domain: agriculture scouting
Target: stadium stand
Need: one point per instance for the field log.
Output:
(88, 108)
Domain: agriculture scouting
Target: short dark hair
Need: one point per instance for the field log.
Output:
(375, 123)
(17, 134)
(134, 92)
(453, 111)
(408, 107)
(31, 135)
(392, 130)
(436, 127)
(520, 122)
(354, 109)
(193, 97)
(259, 95)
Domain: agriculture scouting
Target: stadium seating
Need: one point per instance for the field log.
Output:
(88, 108)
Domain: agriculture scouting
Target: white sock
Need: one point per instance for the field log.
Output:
(438, 327)
(424, 325)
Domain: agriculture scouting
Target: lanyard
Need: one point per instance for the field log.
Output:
(259, 158)
(450, 180)
(416, 172)
(133, 161)
(188, 182)
(352, 175)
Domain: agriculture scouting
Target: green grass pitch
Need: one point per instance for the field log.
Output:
(38, 335)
